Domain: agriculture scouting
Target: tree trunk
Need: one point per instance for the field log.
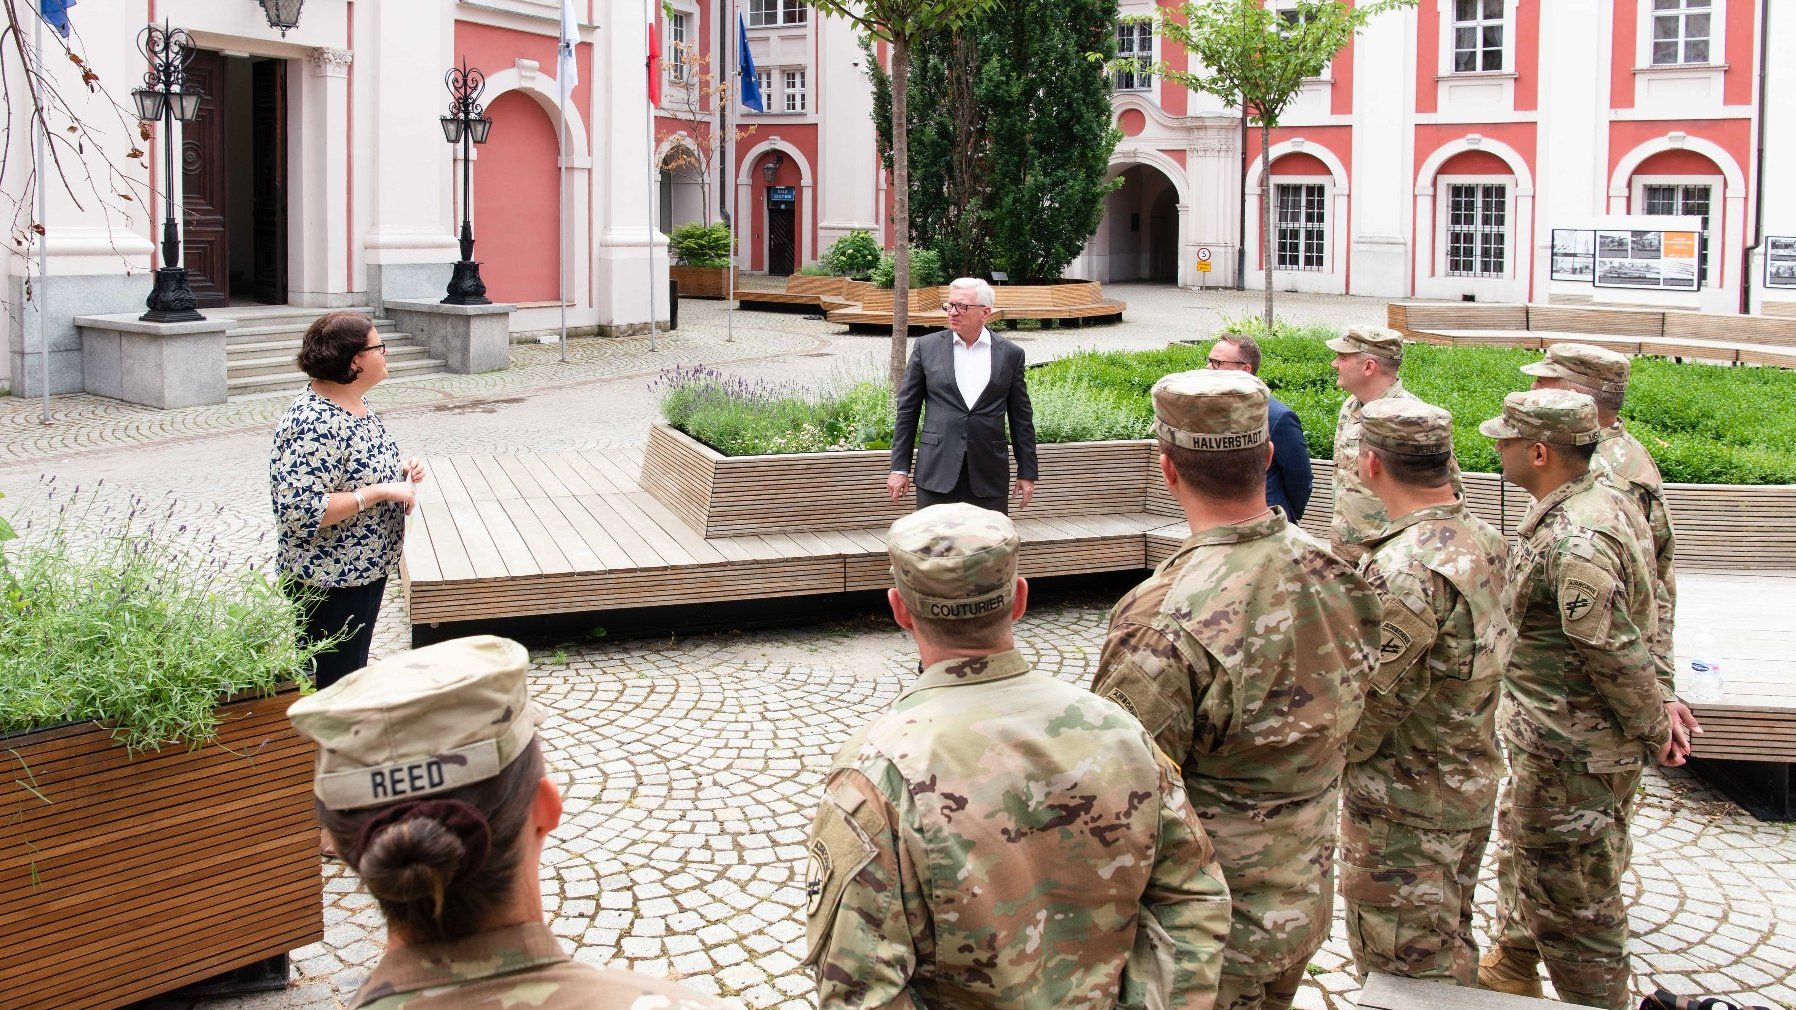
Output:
(900, 205)
(1268, 254)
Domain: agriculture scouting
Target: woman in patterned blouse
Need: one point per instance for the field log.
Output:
(341, 492)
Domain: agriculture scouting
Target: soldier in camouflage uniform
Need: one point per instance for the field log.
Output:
(1624, 464)
(430, 780)
(1246, 654)
(999, 838)
(1421, 781)
(1582, 712)
(1365, 363)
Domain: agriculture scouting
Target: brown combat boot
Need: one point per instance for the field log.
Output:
(1502, 970)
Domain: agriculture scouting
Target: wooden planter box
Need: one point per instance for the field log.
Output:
(703, 282)
(1718, 526)
(143, 874)
(722, 496)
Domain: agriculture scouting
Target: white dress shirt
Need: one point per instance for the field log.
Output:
(972, 365)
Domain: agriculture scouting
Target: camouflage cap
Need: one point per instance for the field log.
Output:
(1380, 340)
(1410, 427)
(1588, 366)
(418, 723)
(1211, 410)
(1556, 416)
(954, 561)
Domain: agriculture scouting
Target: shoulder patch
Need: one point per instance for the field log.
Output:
(1402, 639)
(837, 850)
(1586, 593)
(1132, 688)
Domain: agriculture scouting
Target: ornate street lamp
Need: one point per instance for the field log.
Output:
(167, 95)
(770, 169)
(466, 125)
(282, 14)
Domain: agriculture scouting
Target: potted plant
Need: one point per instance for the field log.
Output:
(156, 820)
(701, 257)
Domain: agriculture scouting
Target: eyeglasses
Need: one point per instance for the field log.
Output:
(382, 348)
(955, 308)
(1226, 363)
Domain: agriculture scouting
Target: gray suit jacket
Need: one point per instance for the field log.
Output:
(953, 432)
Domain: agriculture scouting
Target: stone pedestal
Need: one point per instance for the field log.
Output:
(467, 338)
(160, 365)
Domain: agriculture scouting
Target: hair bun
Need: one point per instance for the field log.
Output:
(412, 860)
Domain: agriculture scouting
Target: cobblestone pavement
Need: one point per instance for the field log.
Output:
(691, 764)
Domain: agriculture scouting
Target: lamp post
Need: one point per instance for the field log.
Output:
(770, 169)
(466, 125)
(167, 96)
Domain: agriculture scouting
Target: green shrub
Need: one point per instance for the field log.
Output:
(121, 616)
(925, 270)
(697, 245)
(815, 270)
(855, 254)
(1705, 424)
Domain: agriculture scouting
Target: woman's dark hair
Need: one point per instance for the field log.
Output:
(331, 343)
(414, 866)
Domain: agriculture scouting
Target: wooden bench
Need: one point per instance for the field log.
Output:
(1713, 337)
(1077, 302)
(802, 291)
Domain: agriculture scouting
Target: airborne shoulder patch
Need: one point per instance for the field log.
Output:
(1403, 638)
(837, 850)
(1586, 592)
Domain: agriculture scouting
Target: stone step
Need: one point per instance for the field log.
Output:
(278, 364)
(289, 346)
(261, 332)
(290, 382)
(288, 316)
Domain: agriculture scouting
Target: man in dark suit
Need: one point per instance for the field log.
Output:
(1288, 480)
(966, 381)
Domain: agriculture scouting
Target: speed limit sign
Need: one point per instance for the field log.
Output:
(1203, 259)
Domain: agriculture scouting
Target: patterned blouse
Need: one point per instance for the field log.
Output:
(320, 449)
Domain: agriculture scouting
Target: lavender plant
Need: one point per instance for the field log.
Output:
(114, 611)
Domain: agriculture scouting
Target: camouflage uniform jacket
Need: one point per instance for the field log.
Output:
(1425, 753)
(1581, 684)
(999, 838)
(1624, 464)
(518, 966)
(1246, 655)
(1358, 514)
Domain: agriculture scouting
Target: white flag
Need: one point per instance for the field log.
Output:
(566, 70)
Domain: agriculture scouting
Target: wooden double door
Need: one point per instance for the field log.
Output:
(234, 181)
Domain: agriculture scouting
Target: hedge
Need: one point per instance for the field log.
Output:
(1705, 424)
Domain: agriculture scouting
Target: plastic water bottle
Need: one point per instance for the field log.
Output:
(1701, 680)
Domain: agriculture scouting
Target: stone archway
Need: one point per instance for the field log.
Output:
(1139, 237)
(681, 191)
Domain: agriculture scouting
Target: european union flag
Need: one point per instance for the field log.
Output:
(56, 15)
(751, 81)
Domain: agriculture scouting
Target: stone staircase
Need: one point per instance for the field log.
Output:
(260, 350)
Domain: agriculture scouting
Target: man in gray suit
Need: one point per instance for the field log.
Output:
(966, 381)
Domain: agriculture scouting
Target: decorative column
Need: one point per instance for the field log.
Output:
(401, 185)
(319, 250)
(1383, 182)
(625, 220)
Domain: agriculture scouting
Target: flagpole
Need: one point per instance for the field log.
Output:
(733, 54)
(561, 214)
(43, 238)
(654, 204)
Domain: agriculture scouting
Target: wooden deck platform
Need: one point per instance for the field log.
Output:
(526, 535)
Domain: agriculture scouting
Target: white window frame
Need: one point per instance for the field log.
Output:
(794, 96)
(1443, 213)
(1449, 22)
(1326, 183)
(1140, 80)
(1283, 7)
(1643, 50)
(678, 46)
(784, 13)
(769, 97)
(1717, 210)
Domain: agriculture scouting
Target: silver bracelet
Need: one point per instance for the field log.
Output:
(360, 505)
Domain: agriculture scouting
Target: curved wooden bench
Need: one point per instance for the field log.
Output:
(1726, 339)
(1046, 303)
(802, 290)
